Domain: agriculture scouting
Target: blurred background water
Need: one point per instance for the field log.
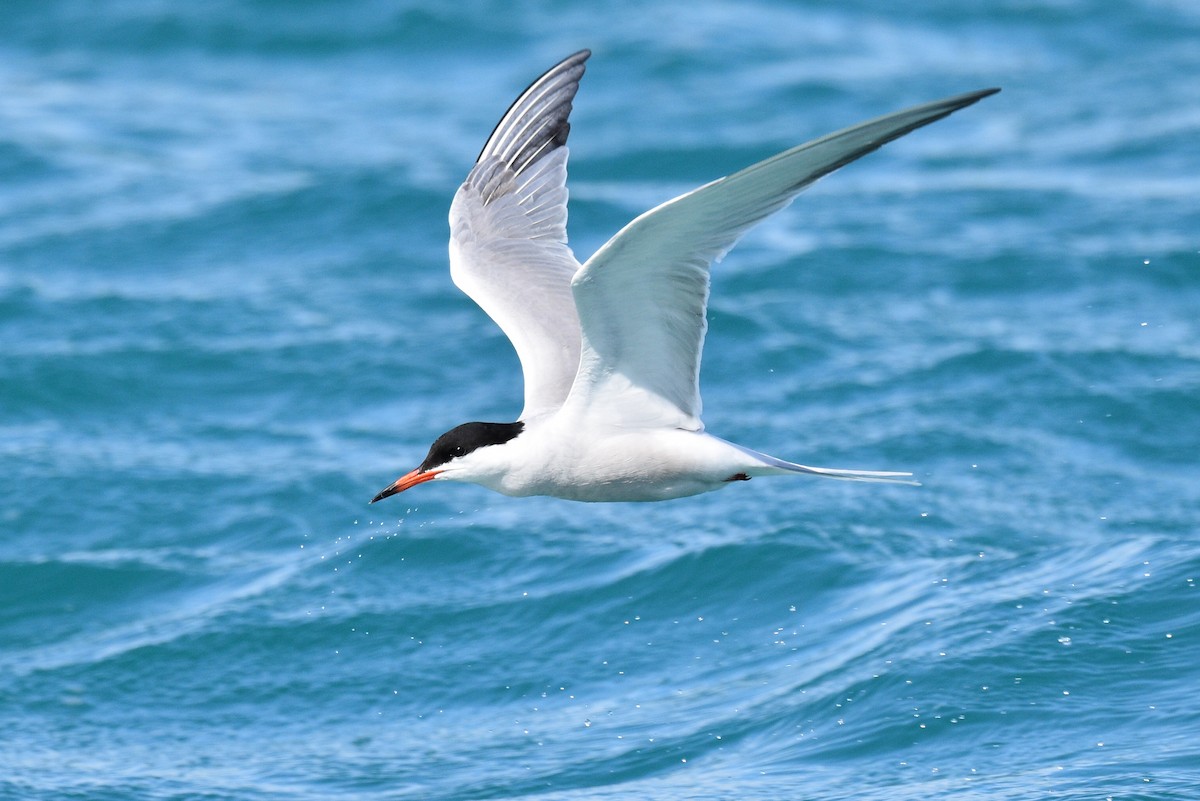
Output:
(226, 322)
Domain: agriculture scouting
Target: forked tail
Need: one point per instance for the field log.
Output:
(769, 465)
(877, 476)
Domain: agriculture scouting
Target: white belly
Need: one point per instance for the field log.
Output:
(620, 465)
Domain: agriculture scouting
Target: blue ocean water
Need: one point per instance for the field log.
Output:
(227, 322)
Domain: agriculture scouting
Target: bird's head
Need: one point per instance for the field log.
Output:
(457, 456)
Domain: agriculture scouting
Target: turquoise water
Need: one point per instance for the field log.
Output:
(227, 322)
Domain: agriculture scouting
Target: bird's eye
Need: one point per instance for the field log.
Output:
(458, 450)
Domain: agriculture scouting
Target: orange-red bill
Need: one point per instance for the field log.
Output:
(407, 480)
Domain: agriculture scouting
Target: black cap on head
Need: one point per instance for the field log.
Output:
(461, 440)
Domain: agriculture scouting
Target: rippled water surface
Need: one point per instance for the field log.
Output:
(227, 322)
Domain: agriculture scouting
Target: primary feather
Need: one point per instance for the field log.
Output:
(508, 236)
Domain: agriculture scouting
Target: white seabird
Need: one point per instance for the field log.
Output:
(610, 349)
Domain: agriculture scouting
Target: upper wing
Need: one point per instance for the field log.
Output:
(641, 298)
(508, 235)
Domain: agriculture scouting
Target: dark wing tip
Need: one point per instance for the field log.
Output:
(964, 100)
(869, 136)
(536, 122)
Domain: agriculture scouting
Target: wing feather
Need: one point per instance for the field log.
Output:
(641, 298)
(508, 235)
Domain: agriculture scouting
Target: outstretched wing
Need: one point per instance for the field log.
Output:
(508, 235)
(641, 298)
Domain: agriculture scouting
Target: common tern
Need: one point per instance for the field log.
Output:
(610, 349)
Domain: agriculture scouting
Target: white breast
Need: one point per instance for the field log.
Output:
(570, 459)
